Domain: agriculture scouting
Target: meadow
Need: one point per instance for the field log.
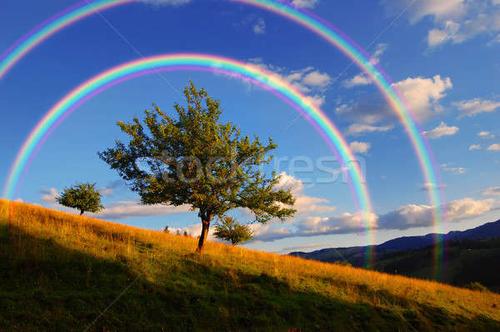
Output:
(61, 271)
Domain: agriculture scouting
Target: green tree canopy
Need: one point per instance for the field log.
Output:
(230, 230)
(197, 160)
(84, 197)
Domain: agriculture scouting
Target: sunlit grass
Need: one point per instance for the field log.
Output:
(152, 255)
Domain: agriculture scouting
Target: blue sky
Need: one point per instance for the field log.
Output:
(443, 56)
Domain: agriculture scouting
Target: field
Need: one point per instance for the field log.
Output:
(60, 271)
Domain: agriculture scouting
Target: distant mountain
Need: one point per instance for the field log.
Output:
(486, 231)
(470, 255)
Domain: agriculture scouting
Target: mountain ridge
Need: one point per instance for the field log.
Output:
(484, 231)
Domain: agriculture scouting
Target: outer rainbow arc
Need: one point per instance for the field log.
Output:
(147, 65)
(50, 27)
(382, 81)
(307, 20)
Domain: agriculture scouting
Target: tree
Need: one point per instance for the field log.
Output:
(84, 197)
(230, 230)
(195, 159)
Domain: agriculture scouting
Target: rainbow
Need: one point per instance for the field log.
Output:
(306, 19)
(361, 58)
(51, 26)
(232, 67)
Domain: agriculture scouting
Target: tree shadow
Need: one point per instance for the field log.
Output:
(46, 286)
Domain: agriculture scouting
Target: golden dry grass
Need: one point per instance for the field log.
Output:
(151, 253)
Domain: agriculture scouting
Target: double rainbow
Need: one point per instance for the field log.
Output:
(306, 19)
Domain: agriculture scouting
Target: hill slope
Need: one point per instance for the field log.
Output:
(63, 272)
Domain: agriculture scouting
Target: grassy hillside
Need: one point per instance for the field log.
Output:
(63, 272)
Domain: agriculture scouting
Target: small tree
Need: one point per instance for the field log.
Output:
(197, 160)
(84, 197)
(230, 230)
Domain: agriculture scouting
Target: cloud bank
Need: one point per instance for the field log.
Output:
(452, 21)
(403, 218)
(440, 131)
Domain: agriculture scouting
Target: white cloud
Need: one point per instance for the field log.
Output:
(476, 106)
(440, 10)
(50, 196)
(310, 81)
(422, 95)
(474, 147)
(480, 21)
(454, 21)
(371, 114)
(304, 247)
(361, 128)
(495, 40)
(305, 3)
(316, 79)
(377, 54)
(454, 170)
(366, 115)
(436, 36)
(259, 27)
(106, 191)
(407, 216)
(363, 79)
(110, 189)
(343, 224)
(363, 112)
(318, 100)
(360, 147)
(269, 232)
(486, 135)
(415, 215)
(308, 78)
(467, 208)
(494, 147)
(303, 203)
(358, 80)
(442, 130)
(316, 225)
(492, 191)
(128, 209)
(449, 32)
(426, 186)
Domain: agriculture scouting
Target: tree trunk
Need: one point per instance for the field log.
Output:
(205, 225)
(81, 212)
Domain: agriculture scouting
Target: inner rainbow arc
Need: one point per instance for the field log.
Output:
(253, 72)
